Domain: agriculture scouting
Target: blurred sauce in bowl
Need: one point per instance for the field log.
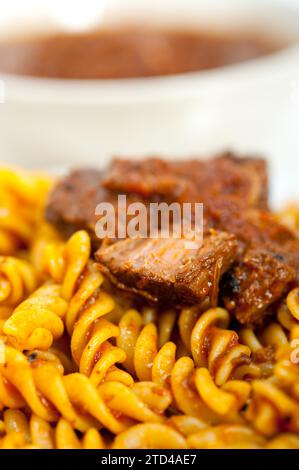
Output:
(130, 53)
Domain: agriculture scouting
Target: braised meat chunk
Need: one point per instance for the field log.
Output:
(253, 227)
(72, 203)
(169, 270)
(254, 284)
(268, 260)
(243, 180)
(259, 256)
(148, 178)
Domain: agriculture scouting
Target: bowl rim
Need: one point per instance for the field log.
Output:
(235, 78)
(279, 65)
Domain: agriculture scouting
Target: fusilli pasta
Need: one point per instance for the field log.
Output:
(82, 366)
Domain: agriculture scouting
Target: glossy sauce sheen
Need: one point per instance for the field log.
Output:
(128, 53)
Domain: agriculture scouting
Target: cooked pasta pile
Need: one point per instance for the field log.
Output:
(80, 367)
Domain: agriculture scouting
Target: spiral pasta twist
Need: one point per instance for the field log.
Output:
(40, 385)
(36, 433)
(17, 431)
(78, 283)
(38, 320)
(157, 369)
(274, 408)
(46, 240)
(37, 381)
(165, 321)
(90, 335)
(215, 347)
(97, 358)
(22, 197)
(226, 437)
(69, 265)
(275, 402)
(193, 390)
(150, 436)
(150, 355)
(18, 279)
(198, 397)
(140, 344)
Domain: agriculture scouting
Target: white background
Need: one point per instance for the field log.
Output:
(76, 12)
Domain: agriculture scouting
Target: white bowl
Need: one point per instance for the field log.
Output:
(250, 107)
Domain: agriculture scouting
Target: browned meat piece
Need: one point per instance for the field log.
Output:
(252, 227)
(268, 260)
(233, 191)
(148, 178)
(255, 283)
(72, 203)
(166, 270)
(230, 189)
(243, 180)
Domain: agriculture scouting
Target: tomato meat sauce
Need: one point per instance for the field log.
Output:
(129, 53)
